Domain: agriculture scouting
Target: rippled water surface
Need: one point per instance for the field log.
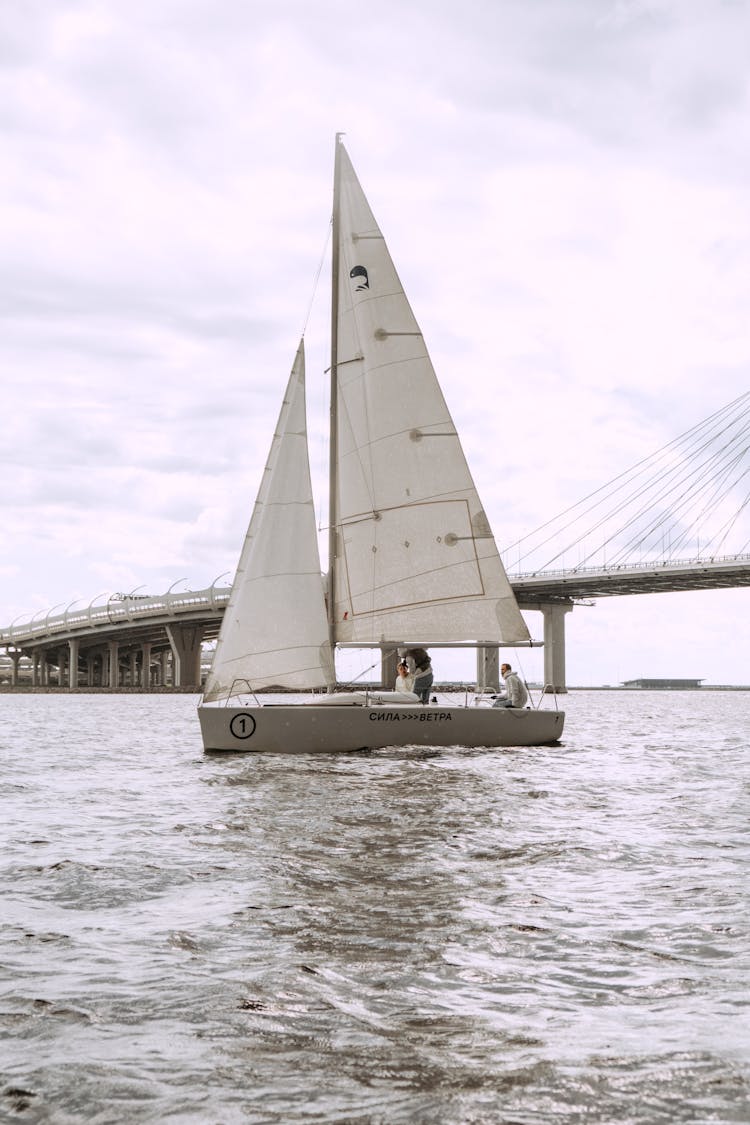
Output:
(521, 936)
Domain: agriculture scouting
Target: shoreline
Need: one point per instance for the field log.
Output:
(53, 689)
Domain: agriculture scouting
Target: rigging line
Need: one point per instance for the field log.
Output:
(736, 516)
(658, 521)
(625, 478)
(648, 485)
(692, 454)
(665, 518)
(721, 483)
(695, 485)
(729, 444)
(576, 520)
(715, 547)
(742, 476)
(647, 490)
(729, 482)
(694, 530)
(724, 483)
(384, 653)
(640, 465)
(727, 455)
(318, 272)
(644, 490)
(673, 471)
(643, 462)
(710, 424)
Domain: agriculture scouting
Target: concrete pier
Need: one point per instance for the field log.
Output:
(488, 669)
(554, 646)
(185, 642)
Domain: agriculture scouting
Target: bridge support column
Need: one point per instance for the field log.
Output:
(15, 658)
(73, 647)
(554, 645)
(488, 668)
(113, 652)
(61, 668)
(185, 643)
(388, 668)
(146, 665)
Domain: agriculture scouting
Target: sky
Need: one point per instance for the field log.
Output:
(563, 186)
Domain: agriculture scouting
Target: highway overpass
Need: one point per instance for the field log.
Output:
(157, 641)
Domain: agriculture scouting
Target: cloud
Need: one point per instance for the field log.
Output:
(563, 188)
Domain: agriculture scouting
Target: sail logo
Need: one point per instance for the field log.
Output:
(359, 272)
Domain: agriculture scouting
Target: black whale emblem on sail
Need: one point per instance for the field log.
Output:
(359, 275)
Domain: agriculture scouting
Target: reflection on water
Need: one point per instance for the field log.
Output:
(554, 934)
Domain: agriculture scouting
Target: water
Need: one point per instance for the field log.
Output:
(533, 936)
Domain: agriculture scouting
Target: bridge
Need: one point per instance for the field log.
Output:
(666, 577)
(691, 494)
(130, 640)
(157, 641)
(556, 592)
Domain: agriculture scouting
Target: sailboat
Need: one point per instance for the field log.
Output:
(412, 558)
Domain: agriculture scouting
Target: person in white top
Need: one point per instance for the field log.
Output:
(515, 694)
(404, 679)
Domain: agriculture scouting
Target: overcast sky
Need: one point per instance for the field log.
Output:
(564, 188)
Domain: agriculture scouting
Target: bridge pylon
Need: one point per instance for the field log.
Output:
(554, 645)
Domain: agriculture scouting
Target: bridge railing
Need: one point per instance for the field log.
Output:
(695, 564)
(121, 611)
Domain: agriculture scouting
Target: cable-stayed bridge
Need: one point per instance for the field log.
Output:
(634, 578)
(686, 506)
(677, 520)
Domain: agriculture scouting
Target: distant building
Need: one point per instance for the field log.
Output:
(663, 685)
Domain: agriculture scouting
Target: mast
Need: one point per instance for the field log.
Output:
(333, 424)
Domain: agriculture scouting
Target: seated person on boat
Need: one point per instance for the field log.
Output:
(404, 679)
(515, 694)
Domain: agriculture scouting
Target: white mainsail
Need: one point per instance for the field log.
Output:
(415, 556)
(275, 630)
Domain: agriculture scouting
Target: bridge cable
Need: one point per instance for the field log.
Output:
(690, 469)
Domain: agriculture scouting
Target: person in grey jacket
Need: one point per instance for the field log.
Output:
(515, 694)
(423, 677)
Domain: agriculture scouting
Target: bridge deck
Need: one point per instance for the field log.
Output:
(133, 621)
(668, 577)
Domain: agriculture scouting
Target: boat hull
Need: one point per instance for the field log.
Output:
(310, 729)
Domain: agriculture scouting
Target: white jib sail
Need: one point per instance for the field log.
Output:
(274, 631)
(416, 558)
